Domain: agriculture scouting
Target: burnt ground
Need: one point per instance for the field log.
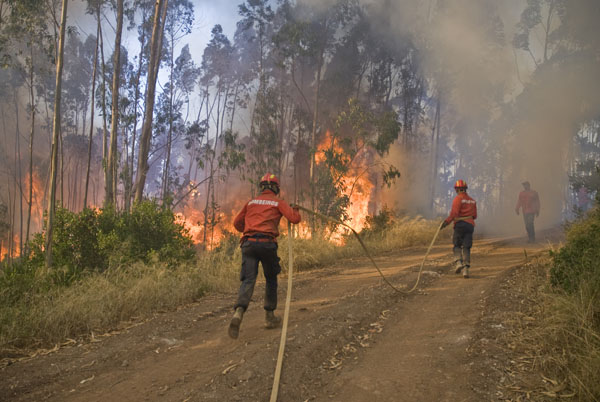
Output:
(350, 338)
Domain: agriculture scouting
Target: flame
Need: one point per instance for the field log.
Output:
(355, 184)
(37, 202)
(16, 249)
(193, 220)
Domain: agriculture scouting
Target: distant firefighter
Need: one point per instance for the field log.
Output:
(529, 202)
(583, 199)
(463, 214)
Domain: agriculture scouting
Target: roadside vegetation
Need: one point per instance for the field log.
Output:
(115, 267)
(560, 330)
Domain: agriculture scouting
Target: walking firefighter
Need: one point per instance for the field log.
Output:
(463, 214)
(259, 222)
(529, 202)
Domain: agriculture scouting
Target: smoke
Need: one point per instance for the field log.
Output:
(466, 49)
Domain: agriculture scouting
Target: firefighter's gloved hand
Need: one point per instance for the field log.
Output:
(444, 224)
(294, 206)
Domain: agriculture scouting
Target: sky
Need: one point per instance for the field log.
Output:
(207, 14)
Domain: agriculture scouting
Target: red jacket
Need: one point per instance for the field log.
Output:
(262, 215)
(529, 201)
(463, 206)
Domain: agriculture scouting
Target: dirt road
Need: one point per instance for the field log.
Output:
(350, 338)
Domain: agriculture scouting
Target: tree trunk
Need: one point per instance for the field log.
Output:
(111, 184)
(313, 145)
(89, 160)
(62, 168)
(55, 135)
(104, 123)
(548, 22)
(435, 138)
(31, 136)
(165, 189)
(129, 184)
(160, 11)
(18, 173)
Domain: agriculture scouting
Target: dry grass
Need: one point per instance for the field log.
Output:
(99, 302)
(560, 338)
(403, 232)
(571, 332)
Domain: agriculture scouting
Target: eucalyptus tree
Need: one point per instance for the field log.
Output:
(112, 165)
(160, 11)
(92, 113)
(26, 23)
(256, 28)
(55, 135)
(216, 79)
(178, 24)
(134, 82)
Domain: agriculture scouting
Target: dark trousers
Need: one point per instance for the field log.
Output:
(252, 254)
(463, 240)
(528, 219)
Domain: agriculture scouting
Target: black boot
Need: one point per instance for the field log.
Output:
(271, 320)
(234, 325)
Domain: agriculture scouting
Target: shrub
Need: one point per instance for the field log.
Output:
(94, 240)
(578, 260)
(379, 222)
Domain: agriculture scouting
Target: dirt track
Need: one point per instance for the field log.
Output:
(350, 338)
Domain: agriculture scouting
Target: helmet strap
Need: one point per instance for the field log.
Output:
(269, 186)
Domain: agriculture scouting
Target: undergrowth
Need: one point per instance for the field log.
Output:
(566, 341)
(134, 275)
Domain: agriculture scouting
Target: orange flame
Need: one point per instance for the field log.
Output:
(355, 184)
(193, 220)
(4, 248)
(37, 202)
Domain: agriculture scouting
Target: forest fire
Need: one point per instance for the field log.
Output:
(354, 184)
(216, 227)
(6, 251)
(37, 203)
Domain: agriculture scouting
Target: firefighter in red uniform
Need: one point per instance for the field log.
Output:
(463, 214)
(529, 201)
(259, 222)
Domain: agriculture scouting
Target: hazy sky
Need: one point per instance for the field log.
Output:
(207, 13)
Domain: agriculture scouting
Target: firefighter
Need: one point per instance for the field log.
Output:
(259, 222)
(529, 202)
(463, 214)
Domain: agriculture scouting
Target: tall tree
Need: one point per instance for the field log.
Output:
(160, 11)
(93, 111)
(112, 168)
(179, 20)
(55, 135)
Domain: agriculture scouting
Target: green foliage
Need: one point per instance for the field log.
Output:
(578, 261)
(359, 134)
(229, 243)
(93, 240)
(379, 223)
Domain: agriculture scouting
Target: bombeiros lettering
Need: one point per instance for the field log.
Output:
(264, 202)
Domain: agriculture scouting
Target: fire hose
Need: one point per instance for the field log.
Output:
(288, 299)
(366, 250)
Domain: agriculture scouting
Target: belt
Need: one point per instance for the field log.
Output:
(260, 239)
(463, 218)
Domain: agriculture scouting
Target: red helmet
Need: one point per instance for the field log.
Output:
(460, 184)
(269, 178)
